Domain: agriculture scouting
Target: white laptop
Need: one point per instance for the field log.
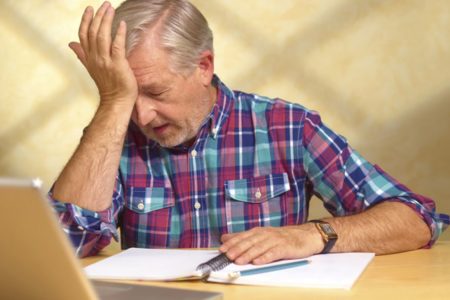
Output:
(37, 260)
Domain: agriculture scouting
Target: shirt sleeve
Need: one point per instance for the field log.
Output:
(349, 184)
(90, 231)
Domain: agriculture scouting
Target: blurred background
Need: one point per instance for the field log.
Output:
(377, 71)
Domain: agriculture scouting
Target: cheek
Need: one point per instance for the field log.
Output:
(179, 114)
(170, 112)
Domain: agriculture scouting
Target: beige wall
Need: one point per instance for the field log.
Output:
(377, 71)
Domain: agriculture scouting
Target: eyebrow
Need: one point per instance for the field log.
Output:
(152, 87)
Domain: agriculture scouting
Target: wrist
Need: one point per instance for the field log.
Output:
(122, 96)
(109, 125)
(115, 114)
(327, 235)
(116, 106)
(315, 240)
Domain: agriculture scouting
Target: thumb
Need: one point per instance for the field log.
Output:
(78, 50)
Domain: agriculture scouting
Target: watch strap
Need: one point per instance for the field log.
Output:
(329, 239)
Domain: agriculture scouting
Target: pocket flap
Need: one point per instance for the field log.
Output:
(257, 189)
(144, 200)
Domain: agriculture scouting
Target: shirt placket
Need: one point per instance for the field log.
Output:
(200, 234)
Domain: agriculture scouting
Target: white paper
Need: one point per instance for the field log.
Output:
(336, 270)
(333, 270)
(149, 264)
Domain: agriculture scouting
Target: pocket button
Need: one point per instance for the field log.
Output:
(140, 206)
(258, 194)
(197, 205)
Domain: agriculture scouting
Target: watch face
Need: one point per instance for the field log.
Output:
(328, 230)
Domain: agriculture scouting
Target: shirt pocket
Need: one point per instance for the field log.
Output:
(145, 200)
(258, 201)
(146, 221)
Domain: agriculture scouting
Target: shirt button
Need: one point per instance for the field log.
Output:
(197, 205)
(140, 206)
(258, 194)
(194, 153)
(80, 228)
(214, 131)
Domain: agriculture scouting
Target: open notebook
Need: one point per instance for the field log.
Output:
(339, 270)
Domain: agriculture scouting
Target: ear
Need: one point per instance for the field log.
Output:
(205, 67)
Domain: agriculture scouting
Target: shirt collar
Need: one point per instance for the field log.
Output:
(221, 109)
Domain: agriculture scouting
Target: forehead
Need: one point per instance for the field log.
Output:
(148, 60)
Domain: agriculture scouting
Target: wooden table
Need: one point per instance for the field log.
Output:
(420, 274)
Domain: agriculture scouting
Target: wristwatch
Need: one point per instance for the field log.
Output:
(328, 234)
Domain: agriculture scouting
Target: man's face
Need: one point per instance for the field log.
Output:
(170, 107)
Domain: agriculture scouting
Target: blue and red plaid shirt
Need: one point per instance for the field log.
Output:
(255, 162)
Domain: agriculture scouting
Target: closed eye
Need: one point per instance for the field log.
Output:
(155, 94)
(154, 90)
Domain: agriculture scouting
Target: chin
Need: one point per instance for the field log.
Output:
(168, 142)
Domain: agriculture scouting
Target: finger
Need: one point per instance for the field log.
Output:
(227, 236)
(95, 24)
(104, 33)
(259, 248)
(118, 47)
(274, 253)
(287, 243)
(78, 49)
(86, 20)
(229, 240)
(243, 244)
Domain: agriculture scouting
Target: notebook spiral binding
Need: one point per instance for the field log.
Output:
(215, 264)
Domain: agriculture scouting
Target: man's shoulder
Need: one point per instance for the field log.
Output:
(258, 103)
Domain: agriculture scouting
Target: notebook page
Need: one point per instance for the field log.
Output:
(334, 270)
(149, 264)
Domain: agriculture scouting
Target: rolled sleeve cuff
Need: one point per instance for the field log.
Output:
(424, 206)
(101, 223)
(437, 223)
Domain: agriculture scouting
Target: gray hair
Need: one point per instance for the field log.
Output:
(185, 33)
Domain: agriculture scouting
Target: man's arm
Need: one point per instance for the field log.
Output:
(373, 212)
(388, 227)
(88, 178)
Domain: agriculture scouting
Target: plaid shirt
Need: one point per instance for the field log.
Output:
(255, 162)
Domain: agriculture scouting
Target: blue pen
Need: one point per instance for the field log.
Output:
(237, 274)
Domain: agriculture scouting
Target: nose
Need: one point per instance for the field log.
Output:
(144, 111)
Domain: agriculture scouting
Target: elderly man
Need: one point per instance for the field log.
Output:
(176, 159)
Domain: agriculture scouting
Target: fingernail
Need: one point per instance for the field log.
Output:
(87, 9)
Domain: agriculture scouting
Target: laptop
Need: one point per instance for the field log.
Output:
(37, 260)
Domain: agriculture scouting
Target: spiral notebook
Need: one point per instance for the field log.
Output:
(339, 270)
